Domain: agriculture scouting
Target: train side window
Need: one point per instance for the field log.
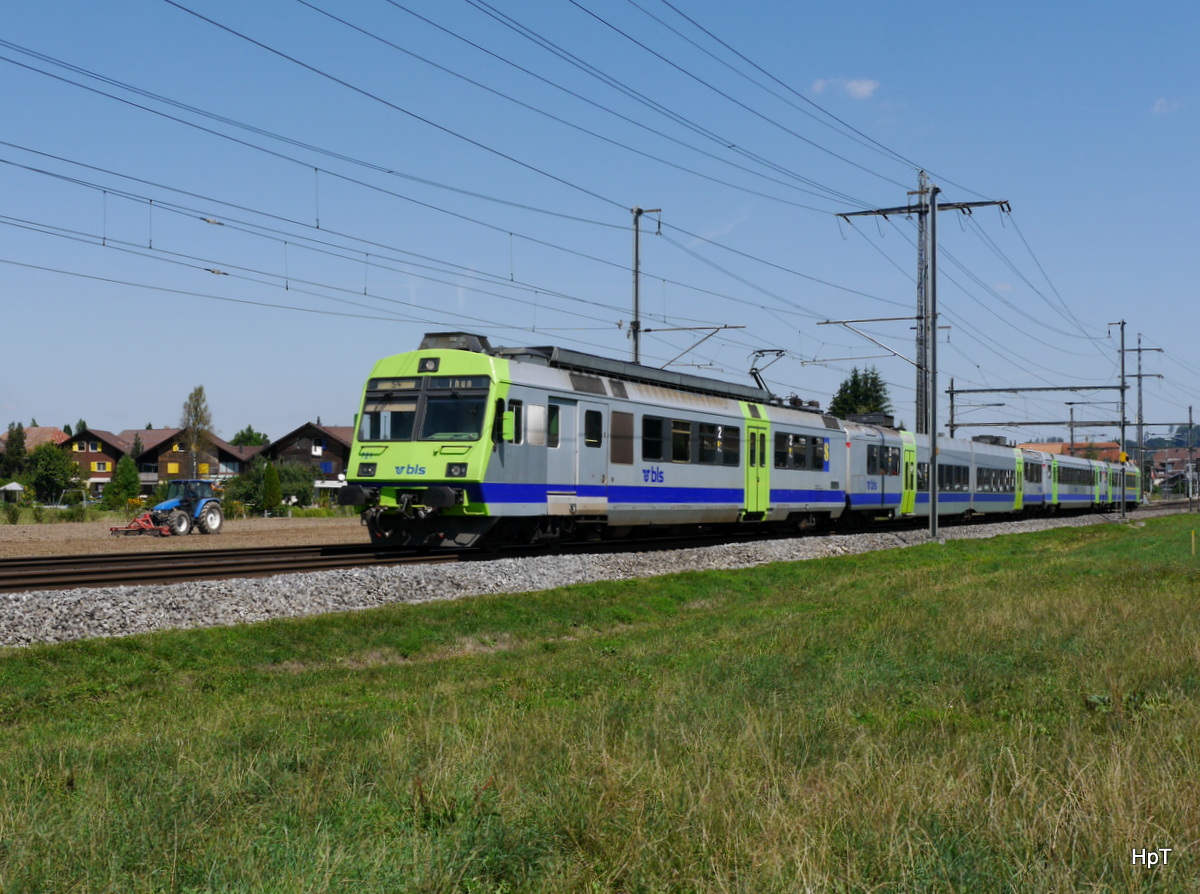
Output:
(873, 459)
(923, 476)
(681, 441)
(593, 428)
(729, 439)
(893, 460)
(535, 419)
(552, 425)
(783, 450)
(708, 443)
(621, 438)
(801, 458)
(652, 438)
(515, 407)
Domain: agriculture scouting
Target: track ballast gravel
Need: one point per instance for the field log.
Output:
(57, 616)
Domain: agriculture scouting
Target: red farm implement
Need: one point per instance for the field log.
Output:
(143, 524)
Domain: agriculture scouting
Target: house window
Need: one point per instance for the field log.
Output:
(94, 446)
(327, 468)
(99, 467)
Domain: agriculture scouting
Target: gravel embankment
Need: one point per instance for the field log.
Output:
(47, 617)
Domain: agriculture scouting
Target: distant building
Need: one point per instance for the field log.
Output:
(324, 447)
(97, 453)
(36, 436)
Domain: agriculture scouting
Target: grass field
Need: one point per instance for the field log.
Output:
(1016, 714)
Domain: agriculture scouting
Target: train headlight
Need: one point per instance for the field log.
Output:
(366, 470)
(456, 470)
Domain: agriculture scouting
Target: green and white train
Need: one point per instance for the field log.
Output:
(462, 444)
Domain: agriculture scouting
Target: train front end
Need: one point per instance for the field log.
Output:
(424, 435)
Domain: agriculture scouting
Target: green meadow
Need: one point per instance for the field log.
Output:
(1014, 714)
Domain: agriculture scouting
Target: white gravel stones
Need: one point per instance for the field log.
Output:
(48, 617)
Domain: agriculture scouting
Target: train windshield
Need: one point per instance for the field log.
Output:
(433, 408)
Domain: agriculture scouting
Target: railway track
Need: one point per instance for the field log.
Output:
(140, 569)
(135, 569)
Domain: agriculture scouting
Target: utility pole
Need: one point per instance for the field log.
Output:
(1121, 449)
(1191, 462)
(922, 287)
(1141, 435)
(635, 325)
(927, 210)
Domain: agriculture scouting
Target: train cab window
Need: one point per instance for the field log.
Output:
(652, 438)
(535, 422)
(517, 409)
(552, 416)
(681, 441)
(593, 428)
(453, 417)
(729, 442)
(708, 443)
(621, 438)
(388, 419)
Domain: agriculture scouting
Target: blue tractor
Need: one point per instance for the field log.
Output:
(190, 503)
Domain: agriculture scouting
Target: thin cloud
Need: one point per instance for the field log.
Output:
(855, 88)
(1163, 106)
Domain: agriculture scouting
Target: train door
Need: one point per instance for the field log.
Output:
(1053, 482)
(1019, 482)
(908, 470)
(758, 482)
(592, 468)
(561, 468)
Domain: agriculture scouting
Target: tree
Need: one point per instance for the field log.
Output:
(12, 462)
(81, 426)
(67, 430)
(138, 447)
(272, 493)
(862, 392)
(125, 484)
(196, 422)
(50, 472)
(248, 437)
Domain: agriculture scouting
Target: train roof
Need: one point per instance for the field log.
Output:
(563, 358)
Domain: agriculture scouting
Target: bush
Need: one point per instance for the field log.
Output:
(12, 513)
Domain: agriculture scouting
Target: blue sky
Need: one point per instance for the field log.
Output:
(376, 170)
